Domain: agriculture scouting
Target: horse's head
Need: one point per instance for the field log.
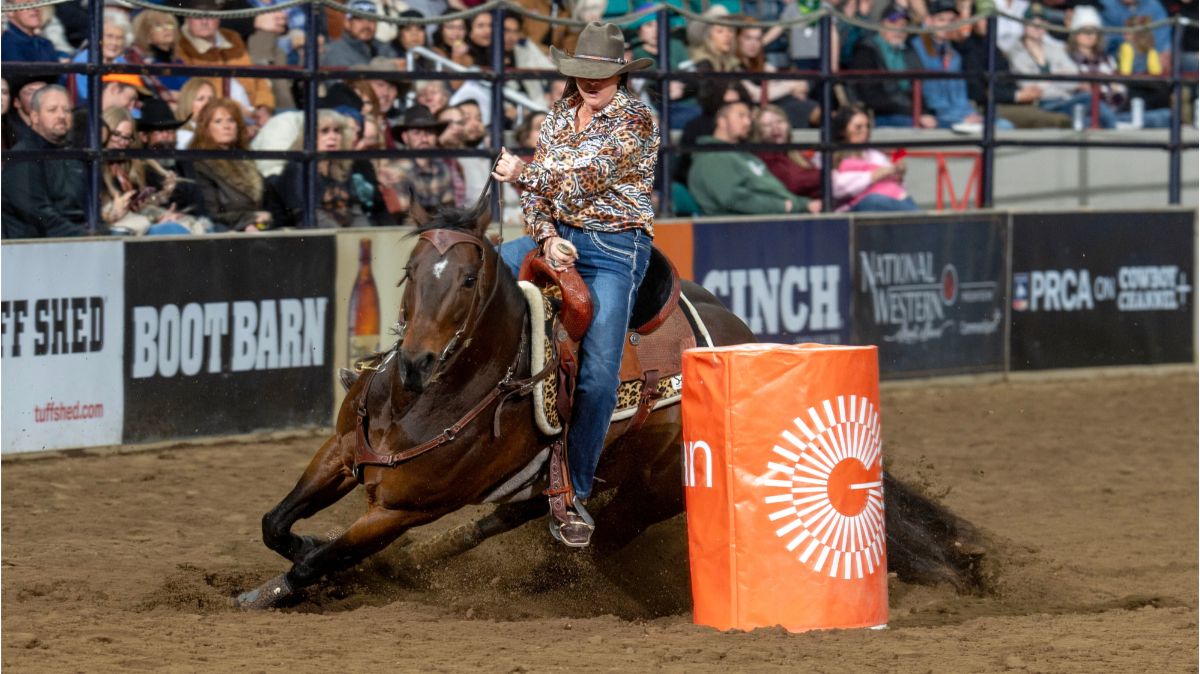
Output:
(451, 277)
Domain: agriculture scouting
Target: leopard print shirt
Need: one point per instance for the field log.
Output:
(600, 178)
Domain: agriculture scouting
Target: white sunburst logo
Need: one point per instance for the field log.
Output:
(833, 494)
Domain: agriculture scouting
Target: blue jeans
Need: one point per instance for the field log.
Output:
(878, 202)
(612, 264)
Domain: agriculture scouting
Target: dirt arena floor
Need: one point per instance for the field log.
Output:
(117, 562)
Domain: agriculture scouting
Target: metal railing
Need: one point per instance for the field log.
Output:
(311, 75)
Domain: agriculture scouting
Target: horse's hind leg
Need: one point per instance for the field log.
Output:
(326, 479)
(369, 534)
(506, 517)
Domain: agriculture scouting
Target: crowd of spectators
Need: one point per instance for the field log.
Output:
(214, 113)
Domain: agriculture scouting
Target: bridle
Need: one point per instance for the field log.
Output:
(443, 240)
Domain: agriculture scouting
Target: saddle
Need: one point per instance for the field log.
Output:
(657, 335)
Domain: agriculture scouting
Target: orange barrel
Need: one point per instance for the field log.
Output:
(784, 482)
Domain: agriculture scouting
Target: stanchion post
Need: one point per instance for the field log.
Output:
(95, 164)
(1175, 170)
(987, 170)
(497, 98)
(664, 110)
(312, 88)
(826, 32)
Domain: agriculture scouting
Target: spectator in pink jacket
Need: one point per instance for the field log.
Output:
(865, 179)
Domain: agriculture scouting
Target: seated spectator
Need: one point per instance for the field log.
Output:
(429, 178)
(117, 36)
(476, 170)
(411, 36)
(347, 193)
(156, 40)
(1117, 13)
(22, 40)
(119, 91)
(1190, 56)
(44, 197)
(804, 40)
(1015, 101)
(479, 40)
(890, 98)
(792, 168)
(715, 51)
(128, 203)
(193, 97)
(645, 45)
(157, 128)
(947, 99)
(433, 94)
(22, 90)
(205, 43)
(865, 179)
(1036, 54)
(450, 40)
(1085, 48)
(733, 182)
(790, 95)
(1137, 55)
(387, 92)
(265, 50)
(521, 54)
(232, 188)
(358, 45)
(7, 132)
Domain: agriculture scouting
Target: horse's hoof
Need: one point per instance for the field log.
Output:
(268, 595)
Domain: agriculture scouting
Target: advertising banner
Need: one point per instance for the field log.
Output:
(62, 324)
(789, 280)
(929, 293)
(227, 335)
(1106, 288)
(370, 264)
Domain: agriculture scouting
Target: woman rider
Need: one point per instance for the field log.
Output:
(586, 201)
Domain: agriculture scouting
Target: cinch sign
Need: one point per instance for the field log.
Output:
(783, 477)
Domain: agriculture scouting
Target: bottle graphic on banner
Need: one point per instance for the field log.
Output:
(363, 320)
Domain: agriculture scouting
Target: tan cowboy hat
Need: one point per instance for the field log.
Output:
(698, 30)
(599, 54)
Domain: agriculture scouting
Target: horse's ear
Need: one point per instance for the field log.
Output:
(415, 209)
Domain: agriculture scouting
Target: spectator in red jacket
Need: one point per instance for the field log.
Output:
(792, 168)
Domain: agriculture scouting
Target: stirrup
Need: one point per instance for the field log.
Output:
(576, 531)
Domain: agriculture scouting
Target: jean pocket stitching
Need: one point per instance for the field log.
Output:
(610, 250)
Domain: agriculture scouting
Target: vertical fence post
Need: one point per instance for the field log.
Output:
(497, 98)
(988, 169)
(664, 110)
(826, 111)
(311, 89)
(1175, 170)
(95, 165)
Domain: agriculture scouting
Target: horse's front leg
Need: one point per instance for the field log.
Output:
(326, 479)
(369, 534)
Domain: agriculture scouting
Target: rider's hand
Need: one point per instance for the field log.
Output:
(508, 167)
(559, 252)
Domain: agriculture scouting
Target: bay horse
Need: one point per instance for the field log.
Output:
(440, 402)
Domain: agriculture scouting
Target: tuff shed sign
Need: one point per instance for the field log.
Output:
(248, 348)
(62, 338)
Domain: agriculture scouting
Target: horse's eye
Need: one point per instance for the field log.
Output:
(469, 282)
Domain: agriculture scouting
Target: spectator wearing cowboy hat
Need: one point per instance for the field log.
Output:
(358, 45)
(588, 203)
(22, 88)
(431, 179)
(157, 129)
(205, 43)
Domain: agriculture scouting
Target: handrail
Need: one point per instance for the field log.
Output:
(443, 62)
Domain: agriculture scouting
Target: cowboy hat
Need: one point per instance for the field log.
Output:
(419, 117)
(599, 54)
(157, 116)
(698, 30)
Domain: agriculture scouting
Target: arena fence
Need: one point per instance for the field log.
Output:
(312, 74)
(166, 338)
